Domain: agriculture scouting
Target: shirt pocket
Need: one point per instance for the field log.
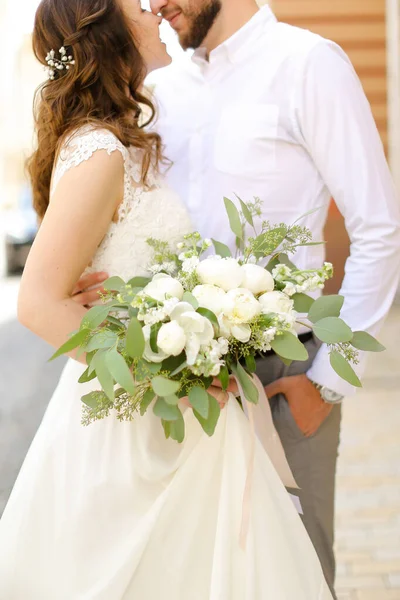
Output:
(246, 139)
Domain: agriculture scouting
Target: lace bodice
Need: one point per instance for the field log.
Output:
(152, 211)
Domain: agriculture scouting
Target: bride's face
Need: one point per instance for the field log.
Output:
(145, 28)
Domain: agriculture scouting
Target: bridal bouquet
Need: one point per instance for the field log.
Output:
(156, 340)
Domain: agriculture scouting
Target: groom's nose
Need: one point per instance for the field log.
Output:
(157, 5)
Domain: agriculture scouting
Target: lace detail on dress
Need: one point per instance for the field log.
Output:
(146, 211)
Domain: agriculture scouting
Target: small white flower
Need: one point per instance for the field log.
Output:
(189, 264)
(180, 245)
(290, 289)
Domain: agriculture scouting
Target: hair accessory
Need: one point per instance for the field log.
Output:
(58, 64)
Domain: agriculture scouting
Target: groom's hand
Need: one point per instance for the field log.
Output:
(88, 288)
(305, 402)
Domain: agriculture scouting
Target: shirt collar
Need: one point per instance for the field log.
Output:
(233, 48)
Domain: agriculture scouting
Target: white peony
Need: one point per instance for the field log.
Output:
(211, 297)
(155, 357)
(241, 306)
(223, 272)
(171, 338)
(256, 279)
(163, 285)
(197, 329)
(275, 302)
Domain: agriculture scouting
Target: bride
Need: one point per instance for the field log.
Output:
(115, 511)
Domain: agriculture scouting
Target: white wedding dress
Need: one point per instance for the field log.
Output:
(114, 511)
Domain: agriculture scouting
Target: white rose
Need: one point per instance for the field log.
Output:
(210, 296)
(256, 279)
(171, 338)
(223, 272)
(241, 306)
(163, 285)
(275, 302)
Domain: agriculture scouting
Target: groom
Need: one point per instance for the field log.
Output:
(264, 109)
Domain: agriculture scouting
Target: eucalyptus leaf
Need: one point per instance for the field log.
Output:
(135, 339)
(285, 361)
(188, 297)
(288, 346)
(139, 282)
(91, 400)
(163, 386)
(76, 340)
(222, 249)
(95, 317)
(344, 369)
(167, 428)
(332, 330)
(224, 377)
(87, 376)
(120, 371)
(302, 302)
(210, 423)
(147, 399)
(114, 321)
(102, 339)
(166, 411)
(234, 218)
(308, 213)
(249, 389)
(266, 243)
(199, 400)
(172, 399)
(114, 284)
(246, 211)
(364, 341)
(251, 363)
(325, 306)
(103, 374)
(177, 429)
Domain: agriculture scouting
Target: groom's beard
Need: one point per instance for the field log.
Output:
(200, 25)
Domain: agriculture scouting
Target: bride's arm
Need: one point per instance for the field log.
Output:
(79, 214)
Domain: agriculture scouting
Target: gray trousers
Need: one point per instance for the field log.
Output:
(312, 460)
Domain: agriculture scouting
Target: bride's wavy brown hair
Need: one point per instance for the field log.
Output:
(102, 88)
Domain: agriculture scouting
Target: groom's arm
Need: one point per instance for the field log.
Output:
(335, 122)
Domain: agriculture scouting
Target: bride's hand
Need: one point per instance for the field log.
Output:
(219, 394)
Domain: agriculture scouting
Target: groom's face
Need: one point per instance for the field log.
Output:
(191, 19)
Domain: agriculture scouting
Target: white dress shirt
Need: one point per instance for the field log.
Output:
(279, 113)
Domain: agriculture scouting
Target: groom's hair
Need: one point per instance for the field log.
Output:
(200, 24)
(101, 88)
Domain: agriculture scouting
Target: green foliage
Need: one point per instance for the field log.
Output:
(325, 306)
(134, 342)
(166, 411)
(224, 377)
(95, 317)
(78, 339)
(288, 346)
(343, 368)
(234, 218)
(332, 330)
(302, 302)
(163, 386)
(249, 389)
(214, 412)
(119, 370)
(114, 284)
(364, 341)
(222, 249)
(199, 400)
(188, 297)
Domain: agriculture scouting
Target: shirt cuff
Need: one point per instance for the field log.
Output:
(322, 373)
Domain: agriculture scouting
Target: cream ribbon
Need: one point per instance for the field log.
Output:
(262, 425)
